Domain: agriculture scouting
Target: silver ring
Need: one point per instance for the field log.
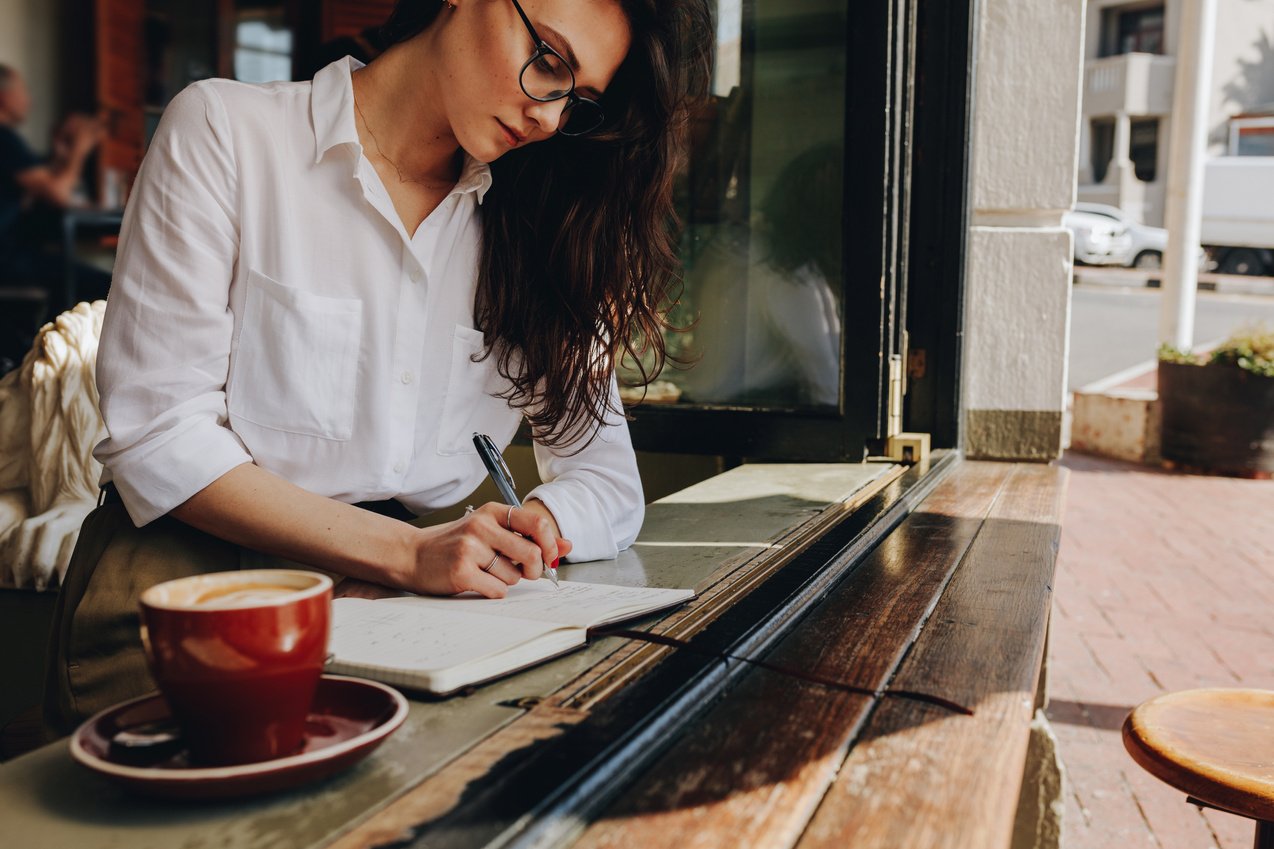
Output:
(468, 510)
(491, 565)
(508, 519)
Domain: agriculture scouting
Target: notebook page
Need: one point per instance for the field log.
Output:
(578, 604)
(374, 633)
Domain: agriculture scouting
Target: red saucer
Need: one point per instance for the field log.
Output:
(349, 718)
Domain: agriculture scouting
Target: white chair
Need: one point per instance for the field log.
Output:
(49, 424)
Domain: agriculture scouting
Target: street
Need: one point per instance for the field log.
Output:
(1114, 328)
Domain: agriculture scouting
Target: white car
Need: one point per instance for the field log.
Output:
(1106, 235)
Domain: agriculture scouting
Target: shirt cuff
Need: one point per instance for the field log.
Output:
(154, 479)
(580, 518)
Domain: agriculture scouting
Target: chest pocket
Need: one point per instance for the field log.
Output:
(470, 403)
(297, 360)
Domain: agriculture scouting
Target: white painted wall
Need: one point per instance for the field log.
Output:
(1243, 65)
(1024, 150)
(28, 42)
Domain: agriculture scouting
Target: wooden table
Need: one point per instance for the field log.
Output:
(859, 573)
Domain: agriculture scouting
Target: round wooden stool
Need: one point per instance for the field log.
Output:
(1216, 746)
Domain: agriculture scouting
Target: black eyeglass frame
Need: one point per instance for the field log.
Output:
(542, 47)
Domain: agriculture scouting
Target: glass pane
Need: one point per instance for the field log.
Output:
(263, 48)
(1141, 31)
(761, 203)
(1103, 147)
(1143, 148)
(1132, 31)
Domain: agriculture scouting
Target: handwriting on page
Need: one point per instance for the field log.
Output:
(571, 604)
(374, 633)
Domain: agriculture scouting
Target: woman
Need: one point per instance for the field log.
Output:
(324, 289)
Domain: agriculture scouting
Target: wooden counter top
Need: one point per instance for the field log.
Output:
(721, 537)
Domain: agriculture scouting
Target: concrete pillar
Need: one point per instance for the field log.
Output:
(1122, 173)
(1029, 74)
(1185, 172)
(1123, 136)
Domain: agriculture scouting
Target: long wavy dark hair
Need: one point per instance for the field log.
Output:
(579, 263)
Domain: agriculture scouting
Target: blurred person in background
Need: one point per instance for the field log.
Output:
(34, 191)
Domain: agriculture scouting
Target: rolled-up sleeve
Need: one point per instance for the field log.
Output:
(166, 338)
(595, 494)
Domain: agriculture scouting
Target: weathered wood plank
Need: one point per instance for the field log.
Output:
(407, 818)
(754, 769)
(735, 579)
(397, 824)
(923, 777)
(47, 800)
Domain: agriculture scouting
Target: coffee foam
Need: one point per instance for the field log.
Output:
(243, 589)
(243, 595)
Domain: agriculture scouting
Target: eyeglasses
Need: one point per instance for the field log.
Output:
(547, 77)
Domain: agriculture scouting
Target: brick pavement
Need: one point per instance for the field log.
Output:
(1164, 582)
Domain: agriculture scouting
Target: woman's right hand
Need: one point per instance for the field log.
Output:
(454, 557)
(259, 510)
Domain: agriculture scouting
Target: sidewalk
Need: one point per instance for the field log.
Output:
(1164, 582)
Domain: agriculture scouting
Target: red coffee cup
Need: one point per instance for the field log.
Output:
(238, 656)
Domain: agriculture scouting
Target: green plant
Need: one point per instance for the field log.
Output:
(1251, 349)
(1169, 354)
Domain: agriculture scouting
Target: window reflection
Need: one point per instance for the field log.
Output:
(761, 202)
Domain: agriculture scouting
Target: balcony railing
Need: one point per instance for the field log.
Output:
(1133, 83)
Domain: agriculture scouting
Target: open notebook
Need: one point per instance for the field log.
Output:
(443, 644)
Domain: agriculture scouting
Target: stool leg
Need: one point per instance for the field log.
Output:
(1264, 835)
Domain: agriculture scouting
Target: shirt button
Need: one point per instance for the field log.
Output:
(416, 275)
(406, 377)
(399, 466)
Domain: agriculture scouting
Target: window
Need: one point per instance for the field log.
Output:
(1252, 136)
(262, 45)
(761, 204)
(1143, 148)
(1132, 30)
(821, 168)
(1102, 146)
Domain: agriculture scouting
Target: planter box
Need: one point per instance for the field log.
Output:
(1218, 418)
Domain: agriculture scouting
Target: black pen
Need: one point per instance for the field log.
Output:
(503, 480)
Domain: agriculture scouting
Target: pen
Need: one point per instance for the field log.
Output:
(503, 480)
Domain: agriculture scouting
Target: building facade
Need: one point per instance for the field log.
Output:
(1130, 72)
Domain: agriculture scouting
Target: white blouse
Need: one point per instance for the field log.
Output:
(269, 306)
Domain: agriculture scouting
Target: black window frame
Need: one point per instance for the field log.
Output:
(905, 220)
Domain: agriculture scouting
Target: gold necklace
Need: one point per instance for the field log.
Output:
(418, 180)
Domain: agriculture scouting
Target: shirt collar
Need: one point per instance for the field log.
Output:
(332, 106)
(332, 110)
(475, 177)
